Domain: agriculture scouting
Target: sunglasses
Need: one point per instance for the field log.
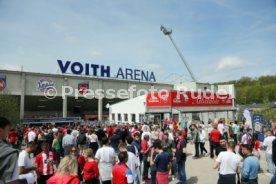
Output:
(73, 150)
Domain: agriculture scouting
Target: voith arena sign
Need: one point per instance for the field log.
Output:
(89, 69)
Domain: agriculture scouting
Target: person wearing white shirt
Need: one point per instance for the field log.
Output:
(105, 157)
(146, 131)
(68, 142)
(132, 162)
(229, 164)
(26, 168)
(145, 134)
(171, 135)
(31, 135)
(221, 127)
(268, 151)
(75, 133)
(202, 138)
(55, 130)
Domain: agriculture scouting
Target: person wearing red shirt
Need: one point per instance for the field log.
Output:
(121, 174)
(90, 170)
(214, 140)
(67, 172)
(63, 131)
(26, 135)
(109, 132)
(256, 145)
(175, 126)
(184, 133)
(145, 151)
(135, 129)
(80, 159)
(44, 163)
(12, 137)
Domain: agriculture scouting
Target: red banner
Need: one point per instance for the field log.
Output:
(189, 98)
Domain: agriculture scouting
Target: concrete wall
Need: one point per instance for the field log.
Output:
(26, 83)
(14, 83)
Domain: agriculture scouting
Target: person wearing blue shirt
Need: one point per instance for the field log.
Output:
(235, 129)
(163, 165)
(181, 158)
(251, 166)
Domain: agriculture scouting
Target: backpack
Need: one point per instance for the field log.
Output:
(81, 139)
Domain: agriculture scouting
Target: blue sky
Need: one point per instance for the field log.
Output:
(221, 40)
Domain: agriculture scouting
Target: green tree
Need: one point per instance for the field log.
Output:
(255, 90)
(268, 112)
(9, 108)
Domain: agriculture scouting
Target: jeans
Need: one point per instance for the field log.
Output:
(153, 177)
(181, 171)
(174, 168)
(197, 149)
(202, 148)
(58, 154)
(145, 167)
(273, 179)
(92, 181)
(94, 146)
(106, 182)
(214, 146)
(270, 164)
(235, 137)
(250, 182)
(227, 179)
(22, 181)
(225, 134)
(43, 179)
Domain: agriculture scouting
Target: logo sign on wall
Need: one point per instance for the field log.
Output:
(3, 82)
(44, 84)
(90, 69)
(83, 86)
(188, 98)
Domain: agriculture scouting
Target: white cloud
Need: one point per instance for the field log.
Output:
(230, 62)
(94, 53)
(153, 66)
(267, 72)
(71, 39)
(10, 67)
(270, 28)
(57, 26)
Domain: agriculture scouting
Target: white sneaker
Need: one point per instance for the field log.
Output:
(173, 178)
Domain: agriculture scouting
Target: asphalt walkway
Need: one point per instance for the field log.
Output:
(200, 171)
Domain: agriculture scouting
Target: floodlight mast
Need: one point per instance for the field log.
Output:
(168, 32)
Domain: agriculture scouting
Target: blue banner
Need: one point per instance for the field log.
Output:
(258, 121)
(50, 120)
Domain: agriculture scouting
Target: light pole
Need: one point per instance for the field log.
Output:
(168, 32)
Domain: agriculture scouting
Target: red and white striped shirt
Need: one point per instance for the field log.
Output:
(45, 162)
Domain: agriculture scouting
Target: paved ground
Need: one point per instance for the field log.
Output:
(200, 170)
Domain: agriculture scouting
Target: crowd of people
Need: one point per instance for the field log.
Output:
(130, 153)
